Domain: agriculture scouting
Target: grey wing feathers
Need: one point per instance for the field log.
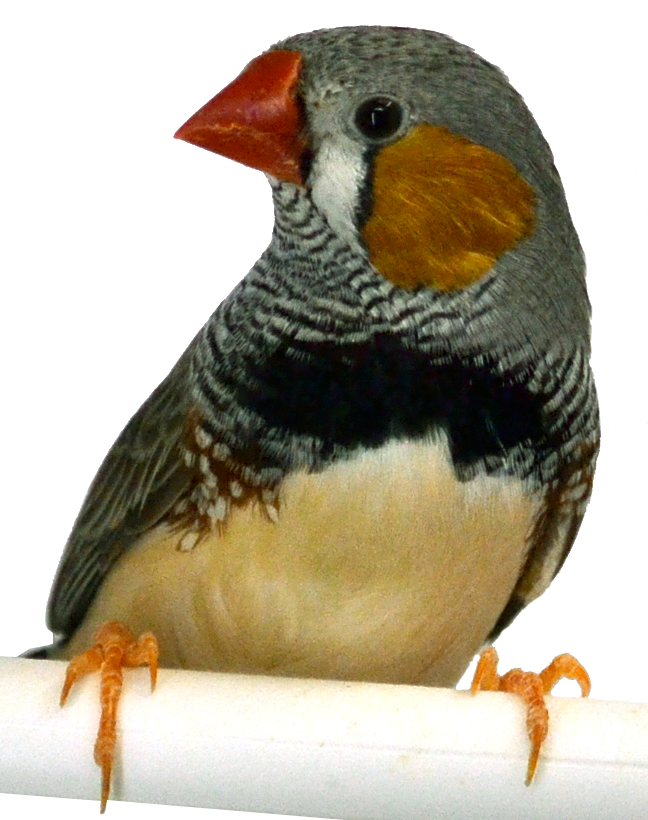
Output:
(553, 534)
(139, 481)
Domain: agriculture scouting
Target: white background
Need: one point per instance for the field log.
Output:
(117, 242)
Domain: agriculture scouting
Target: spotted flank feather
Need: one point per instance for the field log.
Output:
(470, 344)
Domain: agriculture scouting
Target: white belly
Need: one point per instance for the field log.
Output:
(383, 567)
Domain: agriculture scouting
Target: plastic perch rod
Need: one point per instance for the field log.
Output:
(322, 748)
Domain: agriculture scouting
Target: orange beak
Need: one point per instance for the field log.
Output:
(256, 119)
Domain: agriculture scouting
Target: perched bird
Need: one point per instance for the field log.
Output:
(380, 446)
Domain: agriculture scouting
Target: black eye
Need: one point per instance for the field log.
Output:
(378, 118)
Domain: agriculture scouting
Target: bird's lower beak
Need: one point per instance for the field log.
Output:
(256, 119)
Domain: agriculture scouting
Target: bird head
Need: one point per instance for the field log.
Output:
(413, 148)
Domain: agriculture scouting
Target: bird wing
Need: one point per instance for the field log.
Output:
(138, 482)
(553, 533)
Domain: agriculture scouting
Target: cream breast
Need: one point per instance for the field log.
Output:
(382, 567)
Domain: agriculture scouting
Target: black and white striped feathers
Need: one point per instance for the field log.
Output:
(316, 357)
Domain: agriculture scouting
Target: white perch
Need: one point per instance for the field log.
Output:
(322, 748)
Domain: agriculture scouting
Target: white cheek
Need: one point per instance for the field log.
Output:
(336, 178)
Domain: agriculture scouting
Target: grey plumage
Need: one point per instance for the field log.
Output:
(526, 322)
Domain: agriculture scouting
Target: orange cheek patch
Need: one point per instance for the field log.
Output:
(444, 210)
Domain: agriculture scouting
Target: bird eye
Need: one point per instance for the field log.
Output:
(378, 118)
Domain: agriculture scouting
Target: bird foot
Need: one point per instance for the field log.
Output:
(532, 688)
(115, 647)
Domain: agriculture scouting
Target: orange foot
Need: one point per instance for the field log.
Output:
(532, 688)
(115, 647)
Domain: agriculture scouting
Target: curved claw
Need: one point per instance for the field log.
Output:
(115, 647)
(532, 687)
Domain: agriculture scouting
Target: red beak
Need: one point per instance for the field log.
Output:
(256, 119)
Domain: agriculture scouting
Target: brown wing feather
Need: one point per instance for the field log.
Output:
(138, 483)
(554, 532)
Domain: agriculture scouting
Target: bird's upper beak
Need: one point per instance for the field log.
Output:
(256, 119)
